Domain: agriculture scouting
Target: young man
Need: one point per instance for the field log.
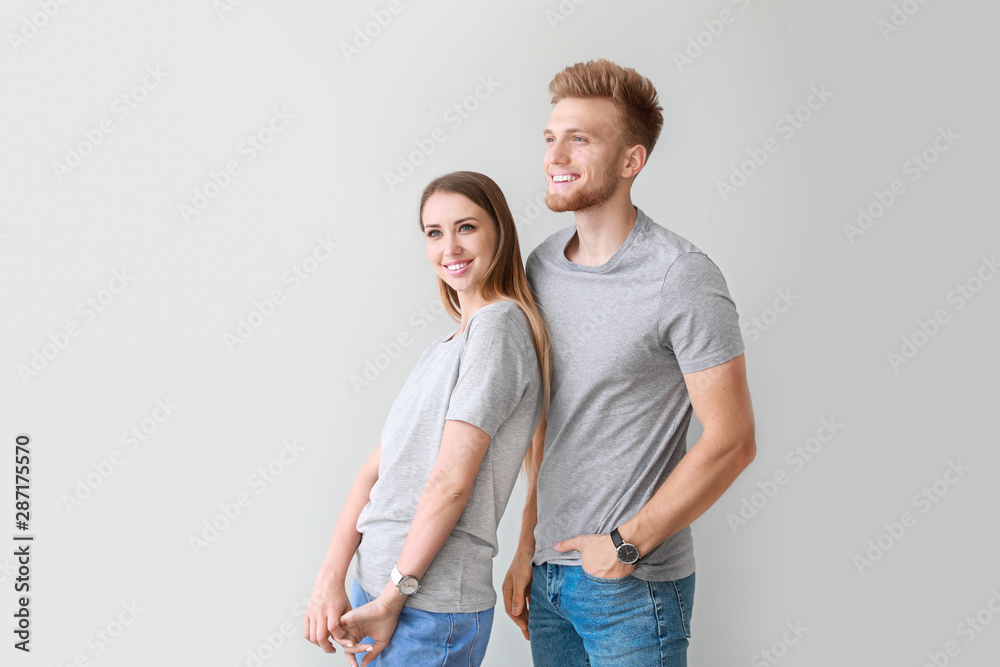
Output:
(643, 330)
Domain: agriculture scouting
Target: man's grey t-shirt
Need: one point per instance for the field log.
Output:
(486, 376)
(623, 334)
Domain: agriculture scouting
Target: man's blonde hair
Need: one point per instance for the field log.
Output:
(635, 98)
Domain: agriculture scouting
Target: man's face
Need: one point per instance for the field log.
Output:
(584, 157)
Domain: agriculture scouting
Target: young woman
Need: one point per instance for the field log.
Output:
(422, 514)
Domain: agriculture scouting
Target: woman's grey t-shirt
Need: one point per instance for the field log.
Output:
(486, 376)
(623, 335)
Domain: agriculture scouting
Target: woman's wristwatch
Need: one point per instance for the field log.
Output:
(627, 553)
(404, 584)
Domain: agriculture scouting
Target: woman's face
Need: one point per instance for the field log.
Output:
(460, 239)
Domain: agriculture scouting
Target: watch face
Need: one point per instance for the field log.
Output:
(408, 586)
(628, 554)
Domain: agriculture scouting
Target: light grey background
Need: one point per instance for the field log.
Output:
(63, 237)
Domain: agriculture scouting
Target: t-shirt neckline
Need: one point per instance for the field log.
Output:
(451, 338)
(640, 220)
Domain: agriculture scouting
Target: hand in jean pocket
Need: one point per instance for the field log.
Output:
(600, 558)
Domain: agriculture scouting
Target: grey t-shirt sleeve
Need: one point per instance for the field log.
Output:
(493, 373)
(698, 321)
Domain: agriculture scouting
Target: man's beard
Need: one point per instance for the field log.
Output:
(585, 198)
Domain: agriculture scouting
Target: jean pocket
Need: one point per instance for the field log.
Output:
(602, 580)
(684, 590)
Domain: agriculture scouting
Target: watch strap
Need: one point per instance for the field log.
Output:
(616, 538)
(398, 578)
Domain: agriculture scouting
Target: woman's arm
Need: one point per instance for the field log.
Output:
(329, 600)
(441, 503)
(444, 497)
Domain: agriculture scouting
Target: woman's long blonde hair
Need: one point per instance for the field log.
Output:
(504, 278)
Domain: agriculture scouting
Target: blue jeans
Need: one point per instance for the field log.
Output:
(431, 639)
(576, 619)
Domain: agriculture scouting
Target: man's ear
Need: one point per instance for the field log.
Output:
(635, 160)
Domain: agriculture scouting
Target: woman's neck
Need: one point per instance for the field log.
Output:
(469, 302)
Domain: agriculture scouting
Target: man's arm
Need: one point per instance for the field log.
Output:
(721, 401)
(517, 583)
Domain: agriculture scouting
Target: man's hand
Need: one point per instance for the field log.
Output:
(600, 558)
(327, 604)
(378, 620)
(517, 589)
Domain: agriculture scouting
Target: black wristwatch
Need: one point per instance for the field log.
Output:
(627, 553)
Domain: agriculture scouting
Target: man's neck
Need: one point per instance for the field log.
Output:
(601, 231)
